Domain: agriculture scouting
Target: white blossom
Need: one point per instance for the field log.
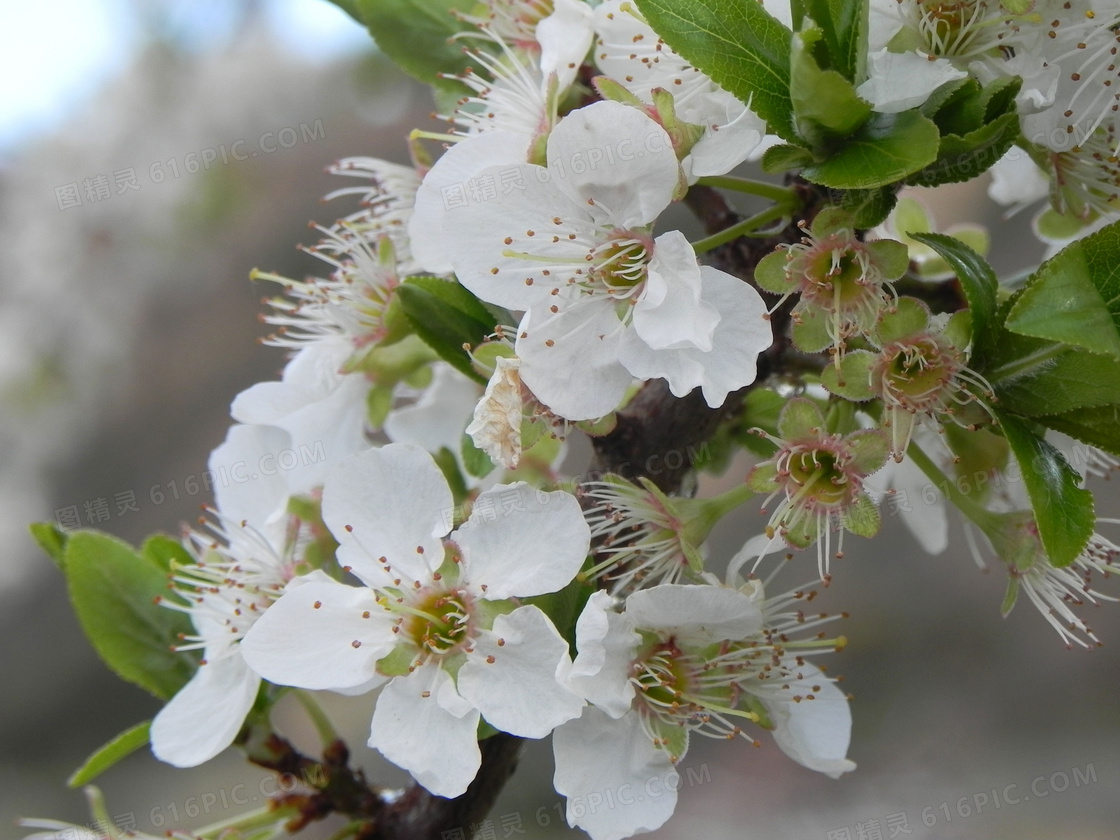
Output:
(434, 617)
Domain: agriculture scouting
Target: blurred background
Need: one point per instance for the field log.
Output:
(152, 152)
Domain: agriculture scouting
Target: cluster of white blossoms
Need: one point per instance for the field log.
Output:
(525, 284)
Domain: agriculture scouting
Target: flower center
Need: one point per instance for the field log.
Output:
(439, 621)
(815, 474)
(621, 262)
(914, 373)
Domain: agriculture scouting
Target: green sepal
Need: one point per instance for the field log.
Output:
(1074, 297)
(770, 273)
(1063, 511)
(870, 448)
(740, 47)
(113, 590)
(890, 256)
(853, 380)
(379, 402)
(801, 418)
(887, 148)
(958, 329)
(674, 738)
(980, 289)
(52, 540)
(809, 331)
(763, 477)
(166, 552)
(447, 317)
(110, 753)
(909, 317)
(1010, 596)
(613, 91)
(600, 426)
(398, 662)
(861, 517)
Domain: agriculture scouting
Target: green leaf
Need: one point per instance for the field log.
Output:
(1075, 296)
(962, 158)
(164, 550)
(1071, 380)
(844, 24)
(114, 590)
(475, 461)
(784, 156)
(868, 208)
(52, 540)
(825, 104)
(979, 284)
(1062, 510)
(886, 149)
(446, 316)
(738, 45)
(1099, 427)
(109, 754)
(350, 7)
(415, 33)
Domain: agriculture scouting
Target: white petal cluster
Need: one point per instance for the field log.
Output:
(434, 617)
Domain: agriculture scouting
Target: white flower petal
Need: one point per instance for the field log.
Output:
(513, 675)
(613, 764)
(437, 418)
(814, 733)
(260, 499)
(565, 37)
(206, 714)
(578, 375)
(323, 410)
(521, 542)
(1017, 180)
(900, 81)
(487, 240)
(607, 645)
(670, 313)
(414, 729)
(699, 614)
(732, 134)
(394, 503)
(446, 188)
(741, 334)
(307, 637)
(616, 156)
